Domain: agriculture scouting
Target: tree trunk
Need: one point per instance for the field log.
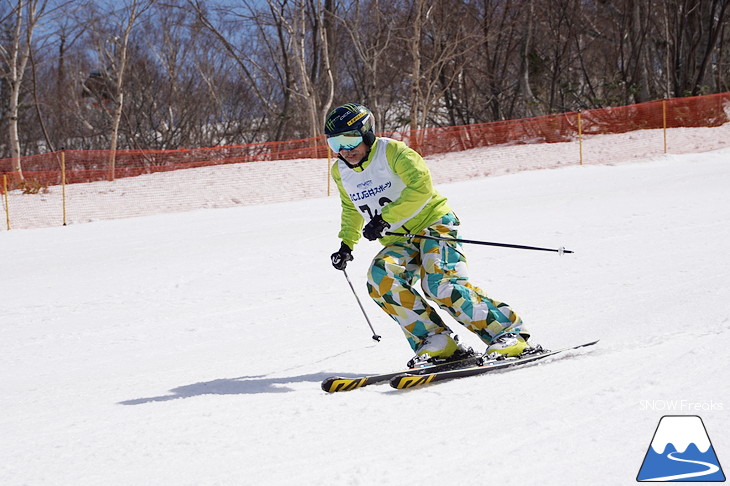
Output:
(524, 79)
(415, 46)
(17, 61)
(136, 9)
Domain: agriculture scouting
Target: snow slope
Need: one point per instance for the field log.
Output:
(187, 349)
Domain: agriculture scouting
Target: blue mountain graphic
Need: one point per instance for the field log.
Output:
(667, 464)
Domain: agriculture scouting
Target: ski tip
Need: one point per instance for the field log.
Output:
(327, 383)
(337, 384)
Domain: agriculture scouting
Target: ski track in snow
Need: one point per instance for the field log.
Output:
(188, 348)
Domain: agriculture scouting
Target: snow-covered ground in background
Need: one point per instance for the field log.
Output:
(188, 348)
(294, 180)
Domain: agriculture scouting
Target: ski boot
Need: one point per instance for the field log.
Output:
(507, 345)
(437, 349)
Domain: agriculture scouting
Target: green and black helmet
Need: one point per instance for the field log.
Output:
(349, 125)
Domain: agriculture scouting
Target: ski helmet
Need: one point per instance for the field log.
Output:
(351, 117)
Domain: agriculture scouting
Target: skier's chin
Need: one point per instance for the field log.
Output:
(352, 161)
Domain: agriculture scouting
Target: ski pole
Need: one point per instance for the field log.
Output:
(375, 335)
(559, 251)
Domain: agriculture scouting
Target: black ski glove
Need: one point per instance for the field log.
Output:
(375, 228)
(341, 257)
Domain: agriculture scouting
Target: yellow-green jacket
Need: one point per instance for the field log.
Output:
(417, 192)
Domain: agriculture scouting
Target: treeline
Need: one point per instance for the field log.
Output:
(167, 74)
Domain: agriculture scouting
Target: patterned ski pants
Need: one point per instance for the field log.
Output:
(442, 269)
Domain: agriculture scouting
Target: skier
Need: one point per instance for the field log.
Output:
(385, 186)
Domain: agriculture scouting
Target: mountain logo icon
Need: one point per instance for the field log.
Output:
(681, 451)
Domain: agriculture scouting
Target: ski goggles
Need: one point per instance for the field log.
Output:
(344, 141)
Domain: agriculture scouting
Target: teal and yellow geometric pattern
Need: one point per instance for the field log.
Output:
(442, 270)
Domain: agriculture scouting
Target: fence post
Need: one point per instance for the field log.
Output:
(112, 164)
(7, 207)
(329, 168)
(63, 182)
(664, 123)
(580, 136)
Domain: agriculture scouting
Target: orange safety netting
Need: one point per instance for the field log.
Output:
(96, 165)
(92, 187)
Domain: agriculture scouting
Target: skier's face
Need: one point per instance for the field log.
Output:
(355, 155)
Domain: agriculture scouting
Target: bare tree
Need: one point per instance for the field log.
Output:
(371, 56)
(526, 49)
(695, 26)
(53, 89)
(314, 80)
(185, 91)
(25, 14)
(439, 45)
(148, 74)
(502, 30)
(112, 42)
(238, 48)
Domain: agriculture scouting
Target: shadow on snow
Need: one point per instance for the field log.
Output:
(244, 385)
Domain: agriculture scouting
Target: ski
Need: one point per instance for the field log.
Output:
(410, 380)
(338, 384)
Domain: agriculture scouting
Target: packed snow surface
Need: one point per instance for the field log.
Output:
(188, 348)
